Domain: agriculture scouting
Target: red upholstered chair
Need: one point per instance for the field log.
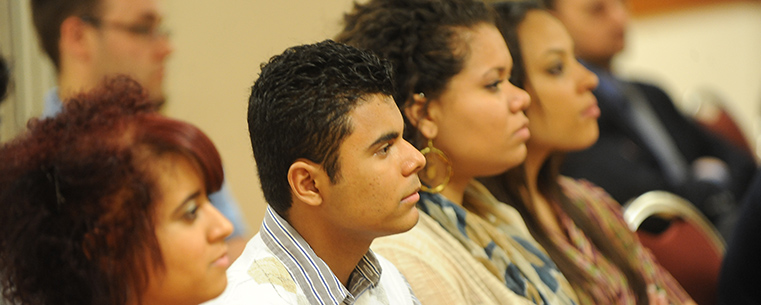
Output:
(690, 248)
(709, 110)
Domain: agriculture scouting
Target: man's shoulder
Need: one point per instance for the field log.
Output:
(652, 92)
(643, 85)
(392, 283)
(257, 276)
(53, 105)
(259, 294)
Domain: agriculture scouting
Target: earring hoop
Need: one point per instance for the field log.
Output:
(434, 159)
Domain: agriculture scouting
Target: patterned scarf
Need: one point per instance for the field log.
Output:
(609, 285)
(496, 236)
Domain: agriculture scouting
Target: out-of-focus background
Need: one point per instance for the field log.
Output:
(685, 46)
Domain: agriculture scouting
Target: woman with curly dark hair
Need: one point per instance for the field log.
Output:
(452, 67)
(107, 204)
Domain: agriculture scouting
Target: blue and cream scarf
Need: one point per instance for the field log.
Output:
(496, 236)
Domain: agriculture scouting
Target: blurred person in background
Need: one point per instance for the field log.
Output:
(741, 270)
(5, 78)
(88, 40)
(645, 143)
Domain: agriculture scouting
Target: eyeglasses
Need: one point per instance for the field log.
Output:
(148, 31)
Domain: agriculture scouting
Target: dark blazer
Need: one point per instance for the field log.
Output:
(623, 165)
(741, 270)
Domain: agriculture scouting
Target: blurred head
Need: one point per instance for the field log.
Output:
(5, 78)
(49, 15)
(101, 38)
(325, 130)
(452, 53)
(106, 204)
(563, 114)
(598, 27)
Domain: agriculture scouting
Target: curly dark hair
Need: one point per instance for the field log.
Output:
(423, 39)
(549, 4)
(78, 196)
(299, 108)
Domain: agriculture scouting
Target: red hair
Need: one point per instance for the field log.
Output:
(78, 197)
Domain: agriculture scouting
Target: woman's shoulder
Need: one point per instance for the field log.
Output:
(426, 235)
(586, 191)
(439, 269)
(594, 201)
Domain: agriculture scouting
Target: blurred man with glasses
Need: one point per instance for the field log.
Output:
(88, 40)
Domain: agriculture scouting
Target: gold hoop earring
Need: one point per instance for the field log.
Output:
(432, 172)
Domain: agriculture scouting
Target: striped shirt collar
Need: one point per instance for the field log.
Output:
(309, 271)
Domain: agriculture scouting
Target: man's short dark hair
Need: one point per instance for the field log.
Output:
(299, 108)
(48, 15)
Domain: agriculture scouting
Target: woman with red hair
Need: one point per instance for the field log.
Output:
(107, 204)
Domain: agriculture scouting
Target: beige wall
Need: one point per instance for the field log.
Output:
(31, 73)
(219, 46)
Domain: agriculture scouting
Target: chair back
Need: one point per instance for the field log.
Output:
(710, 111)
(690, 248)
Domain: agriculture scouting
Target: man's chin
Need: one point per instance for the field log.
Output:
(414, 217)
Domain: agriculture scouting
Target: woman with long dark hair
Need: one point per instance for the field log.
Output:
(578, 223)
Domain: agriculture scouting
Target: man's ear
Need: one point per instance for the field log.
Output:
(305, 178)
(74, 40)
(423, 116)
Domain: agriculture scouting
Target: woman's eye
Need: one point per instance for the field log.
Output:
(556, 69)
(191, 211)
(495, 85)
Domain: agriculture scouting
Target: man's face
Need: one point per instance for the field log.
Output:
(598, 27)
(377, 185)
(130, 41)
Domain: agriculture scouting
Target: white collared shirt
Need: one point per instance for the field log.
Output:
(279, 267)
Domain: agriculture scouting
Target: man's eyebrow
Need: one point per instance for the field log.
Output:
(385, 138)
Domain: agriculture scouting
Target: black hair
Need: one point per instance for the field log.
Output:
(299, 108)
(5, 78)
(508, 188)
(423, 39)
